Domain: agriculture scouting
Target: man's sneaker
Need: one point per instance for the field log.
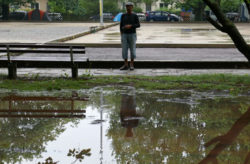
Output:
(132, 68)
(124, 67)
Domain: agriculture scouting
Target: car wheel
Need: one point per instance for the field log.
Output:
(151, 20)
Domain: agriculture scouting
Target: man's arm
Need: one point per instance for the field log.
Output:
(121, 24)
(137, 22)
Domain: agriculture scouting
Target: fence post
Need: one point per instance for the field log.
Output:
(74, 67)
(12, 73)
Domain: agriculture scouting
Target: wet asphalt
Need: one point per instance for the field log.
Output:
(42, 33)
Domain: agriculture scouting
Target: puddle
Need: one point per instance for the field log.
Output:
(123, 125)
(113, 36)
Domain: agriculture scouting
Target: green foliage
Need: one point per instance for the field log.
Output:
(137, 9)
(67, 7)
(170, 127)
(91, 7)
(49, 160)
(82, 7)
(16, 2)
(148, 1)
(198, 6)
(30, 142)
(5, 4)
(171, 10)
(79, 154)
(233, 83)
(110, 6)
(243, 108)
(230, 5)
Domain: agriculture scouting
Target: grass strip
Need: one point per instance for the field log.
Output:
(233, 83)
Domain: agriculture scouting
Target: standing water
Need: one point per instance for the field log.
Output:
(124, 125)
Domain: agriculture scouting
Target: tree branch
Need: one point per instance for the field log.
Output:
(247, 160)
(216, 24)
(227, 139)
(228, 27)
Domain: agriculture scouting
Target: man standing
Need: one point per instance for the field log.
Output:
(129, 23)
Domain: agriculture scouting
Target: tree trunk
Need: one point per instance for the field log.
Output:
(5, 11)
(226, 26)
(199, 12)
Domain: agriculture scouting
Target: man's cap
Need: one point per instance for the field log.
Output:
(129, 4)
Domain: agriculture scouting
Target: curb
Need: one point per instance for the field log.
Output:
(159, 45)
(171, 64)
(138, 45)
(83, 33)
(140, 64)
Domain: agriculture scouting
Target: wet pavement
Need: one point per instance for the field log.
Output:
(124, 125)
(168, 33)
(166, 54)
(155, 54)
(32, 32)
(27, 72)
(169, 54)
(164, 33)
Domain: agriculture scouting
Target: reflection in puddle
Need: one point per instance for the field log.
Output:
(128, 115)
(114, 36)
(196, 30)
(227, 139)
(125, 125)
(41, 106)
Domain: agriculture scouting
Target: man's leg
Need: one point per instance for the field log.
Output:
(132, 46)
(124, 51)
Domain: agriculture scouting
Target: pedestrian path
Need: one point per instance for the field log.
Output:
(167, 33)
(174, 34)
(116, 72)
(41, 32)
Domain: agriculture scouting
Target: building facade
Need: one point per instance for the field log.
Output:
(43, 5)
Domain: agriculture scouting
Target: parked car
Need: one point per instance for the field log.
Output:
(233, 16)
(18, 15)
(210, 14)
(141, 16)
(106, 16)
(157, 16)
(55, 16)
(175, 18)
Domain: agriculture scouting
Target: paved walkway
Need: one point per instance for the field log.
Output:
(168, 33)
(169, 54)
(174, 33)
(40, 32)
(156, 54)
(115, 72)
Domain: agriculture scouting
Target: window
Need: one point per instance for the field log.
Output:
(165, 14)
(158, 14)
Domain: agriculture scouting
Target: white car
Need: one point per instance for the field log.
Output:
(55, 16)
(210, 14)
(141, 16)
